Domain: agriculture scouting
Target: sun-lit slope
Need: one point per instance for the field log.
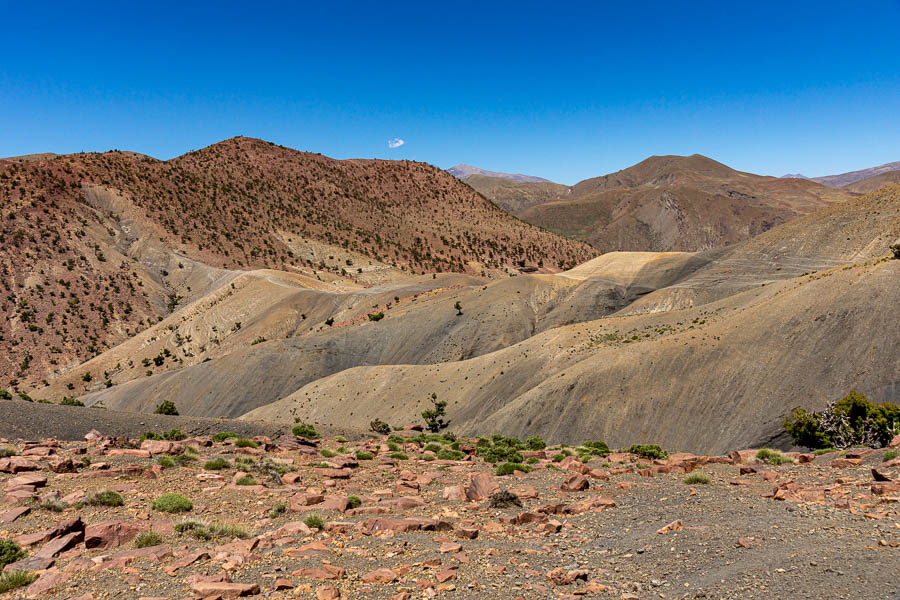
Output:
(96, 247)
(275, 352)
(703, 379)
(874, 183)
(684, 203)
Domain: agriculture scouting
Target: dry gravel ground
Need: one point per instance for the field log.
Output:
(829, 532)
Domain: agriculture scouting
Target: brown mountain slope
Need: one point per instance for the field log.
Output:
(873, 183)
(755, 339)
(516, 196)
(96, 247)
(664, 203)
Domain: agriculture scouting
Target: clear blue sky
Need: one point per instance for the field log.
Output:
(564, 91)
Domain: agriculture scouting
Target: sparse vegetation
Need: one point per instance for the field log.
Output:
(305, 431)
(772, 457)
(852, 421)
(504, 499)
(166, 407)
(696, 477)
(146, 539)
(106, 498)
(246, 480)
(434, 417)
(354, 501)
(891, 455)
(172, 503)
(363, 456)
(10, 552)
(278, 510)
(314, 522)
(66, 401)
(647, 451)
(380, 427)
(508, 468)
(217, 464)
(535, 442)
(245, 443)
(15, 580)
(224, 435)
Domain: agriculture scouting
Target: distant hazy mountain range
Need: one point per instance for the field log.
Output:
(463, 171)
(848, 178)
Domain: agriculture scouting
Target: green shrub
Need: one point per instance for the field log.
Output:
(327, 453)
(822, 451)
(145, 539)
(772, 457)
(393, 446)
(696, 477)
(5, 395)
(10, 552)
(895, 251)
(434, 417)
(246, 480)
(380, 427)
(166, 407)
(166, 462)
(278, 510)
(433, 447)
(150, 435)
(428, 457)
(849, 422)
(891, 455)
(398, 456)
(66, 401)
(8, 451)
(314, 522)
(354, 501)
(363, 456)
(305, 431)
(15, 580)
(224, 435)
(508, 468)
(558, 457)
(535, 442)
(647, 451)
(501, 449)
(532, 460)
(245, 443)
(54, 506)
(106, 498)
(376, 316)
(598, 448)
(188, 525)
(447, 454)
(217, 464)
(185, 457)
(172, 503)
(228, 531)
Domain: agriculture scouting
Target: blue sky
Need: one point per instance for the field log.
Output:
(561, 90)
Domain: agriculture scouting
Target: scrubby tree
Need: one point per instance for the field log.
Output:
(166, 407)
(434, 417)
(852, 421)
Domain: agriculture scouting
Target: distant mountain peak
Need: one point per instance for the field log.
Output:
(794, 176)
(462, 171)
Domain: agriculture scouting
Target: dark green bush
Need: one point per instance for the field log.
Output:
(66, 401)
(10, 552)
(146, 539)
(448, 454)
(224, 435)
(172, 503)
(380, 427)
(535, 442)
(648, 451)
(508, 468)
(305, 431)
(245, 443)
(217, 464)
(106, 498)
(852, 421)
(166, 407)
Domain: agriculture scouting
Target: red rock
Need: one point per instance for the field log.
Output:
(469, 533)
(224, 589)
(17, 464)
(333, 473)
(61, 465)
(290, 478)
(162, 447)
(454, 492)
(845, 462)
(673, 526)
(550, 526)
(328, 593)
(13, 514)
(575, 483)
(445, 574)
(895, 442)
(589, 504)
(449, 547)
(560, 576)
(805, 458)
(33, 480)
(128, 452)
(58, 545)
(282, 584)
(381, 576)
(49, 580)
(32, 563)
(327, 571)
(482, 486)
(110, 534)
(299, 502)
(405, 503)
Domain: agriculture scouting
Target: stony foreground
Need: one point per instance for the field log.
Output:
(393, 527)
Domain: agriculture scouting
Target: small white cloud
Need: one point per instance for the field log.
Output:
(395, 143)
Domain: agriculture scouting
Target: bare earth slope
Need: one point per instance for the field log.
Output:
(685, 203)
(875, 182)
(96, 247)
(735, 356)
